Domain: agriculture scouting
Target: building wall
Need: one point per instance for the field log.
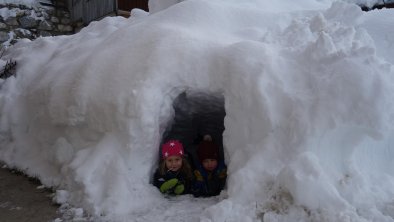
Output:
(20, 21)
(127, 5)
(89, 10)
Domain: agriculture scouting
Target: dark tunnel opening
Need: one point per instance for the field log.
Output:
(197, 114)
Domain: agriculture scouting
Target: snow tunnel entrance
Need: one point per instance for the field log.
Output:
(197, 114)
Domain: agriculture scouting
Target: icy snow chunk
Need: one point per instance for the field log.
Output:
(64, 150)
(61, 196)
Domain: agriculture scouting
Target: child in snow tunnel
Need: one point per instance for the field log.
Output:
(211, 172)
(174, 175)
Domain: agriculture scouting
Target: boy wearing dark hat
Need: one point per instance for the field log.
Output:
(211, 172)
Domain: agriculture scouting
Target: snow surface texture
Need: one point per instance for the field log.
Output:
(308, 95)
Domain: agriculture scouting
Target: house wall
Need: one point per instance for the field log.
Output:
(127, 5)
(89, 10)
(20, 21)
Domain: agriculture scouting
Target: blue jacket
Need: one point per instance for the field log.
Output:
(208, 184)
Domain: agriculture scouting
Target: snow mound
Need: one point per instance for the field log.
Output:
(308, 101)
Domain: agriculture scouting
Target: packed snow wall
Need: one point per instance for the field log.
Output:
(308, 125)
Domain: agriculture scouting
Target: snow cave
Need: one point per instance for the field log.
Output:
(304, 90)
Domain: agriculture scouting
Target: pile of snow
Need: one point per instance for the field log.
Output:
(308, 100)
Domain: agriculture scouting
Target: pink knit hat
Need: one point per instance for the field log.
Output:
(172, 148)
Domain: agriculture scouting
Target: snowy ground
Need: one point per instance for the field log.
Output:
(307, 89)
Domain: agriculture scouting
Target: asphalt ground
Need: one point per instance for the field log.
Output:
(24, 199)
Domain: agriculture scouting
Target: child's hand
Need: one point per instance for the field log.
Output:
(168, 185)
(222, 174)
(179, 189)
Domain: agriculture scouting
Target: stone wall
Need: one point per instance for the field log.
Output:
(20, 21)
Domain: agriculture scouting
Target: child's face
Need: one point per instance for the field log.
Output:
(209, 164)
(173, 163)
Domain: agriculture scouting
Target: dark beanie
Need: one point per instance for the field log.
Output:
(207, 150)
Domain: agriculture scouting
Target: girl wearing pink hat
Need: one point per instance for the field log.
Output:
(174, 175)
